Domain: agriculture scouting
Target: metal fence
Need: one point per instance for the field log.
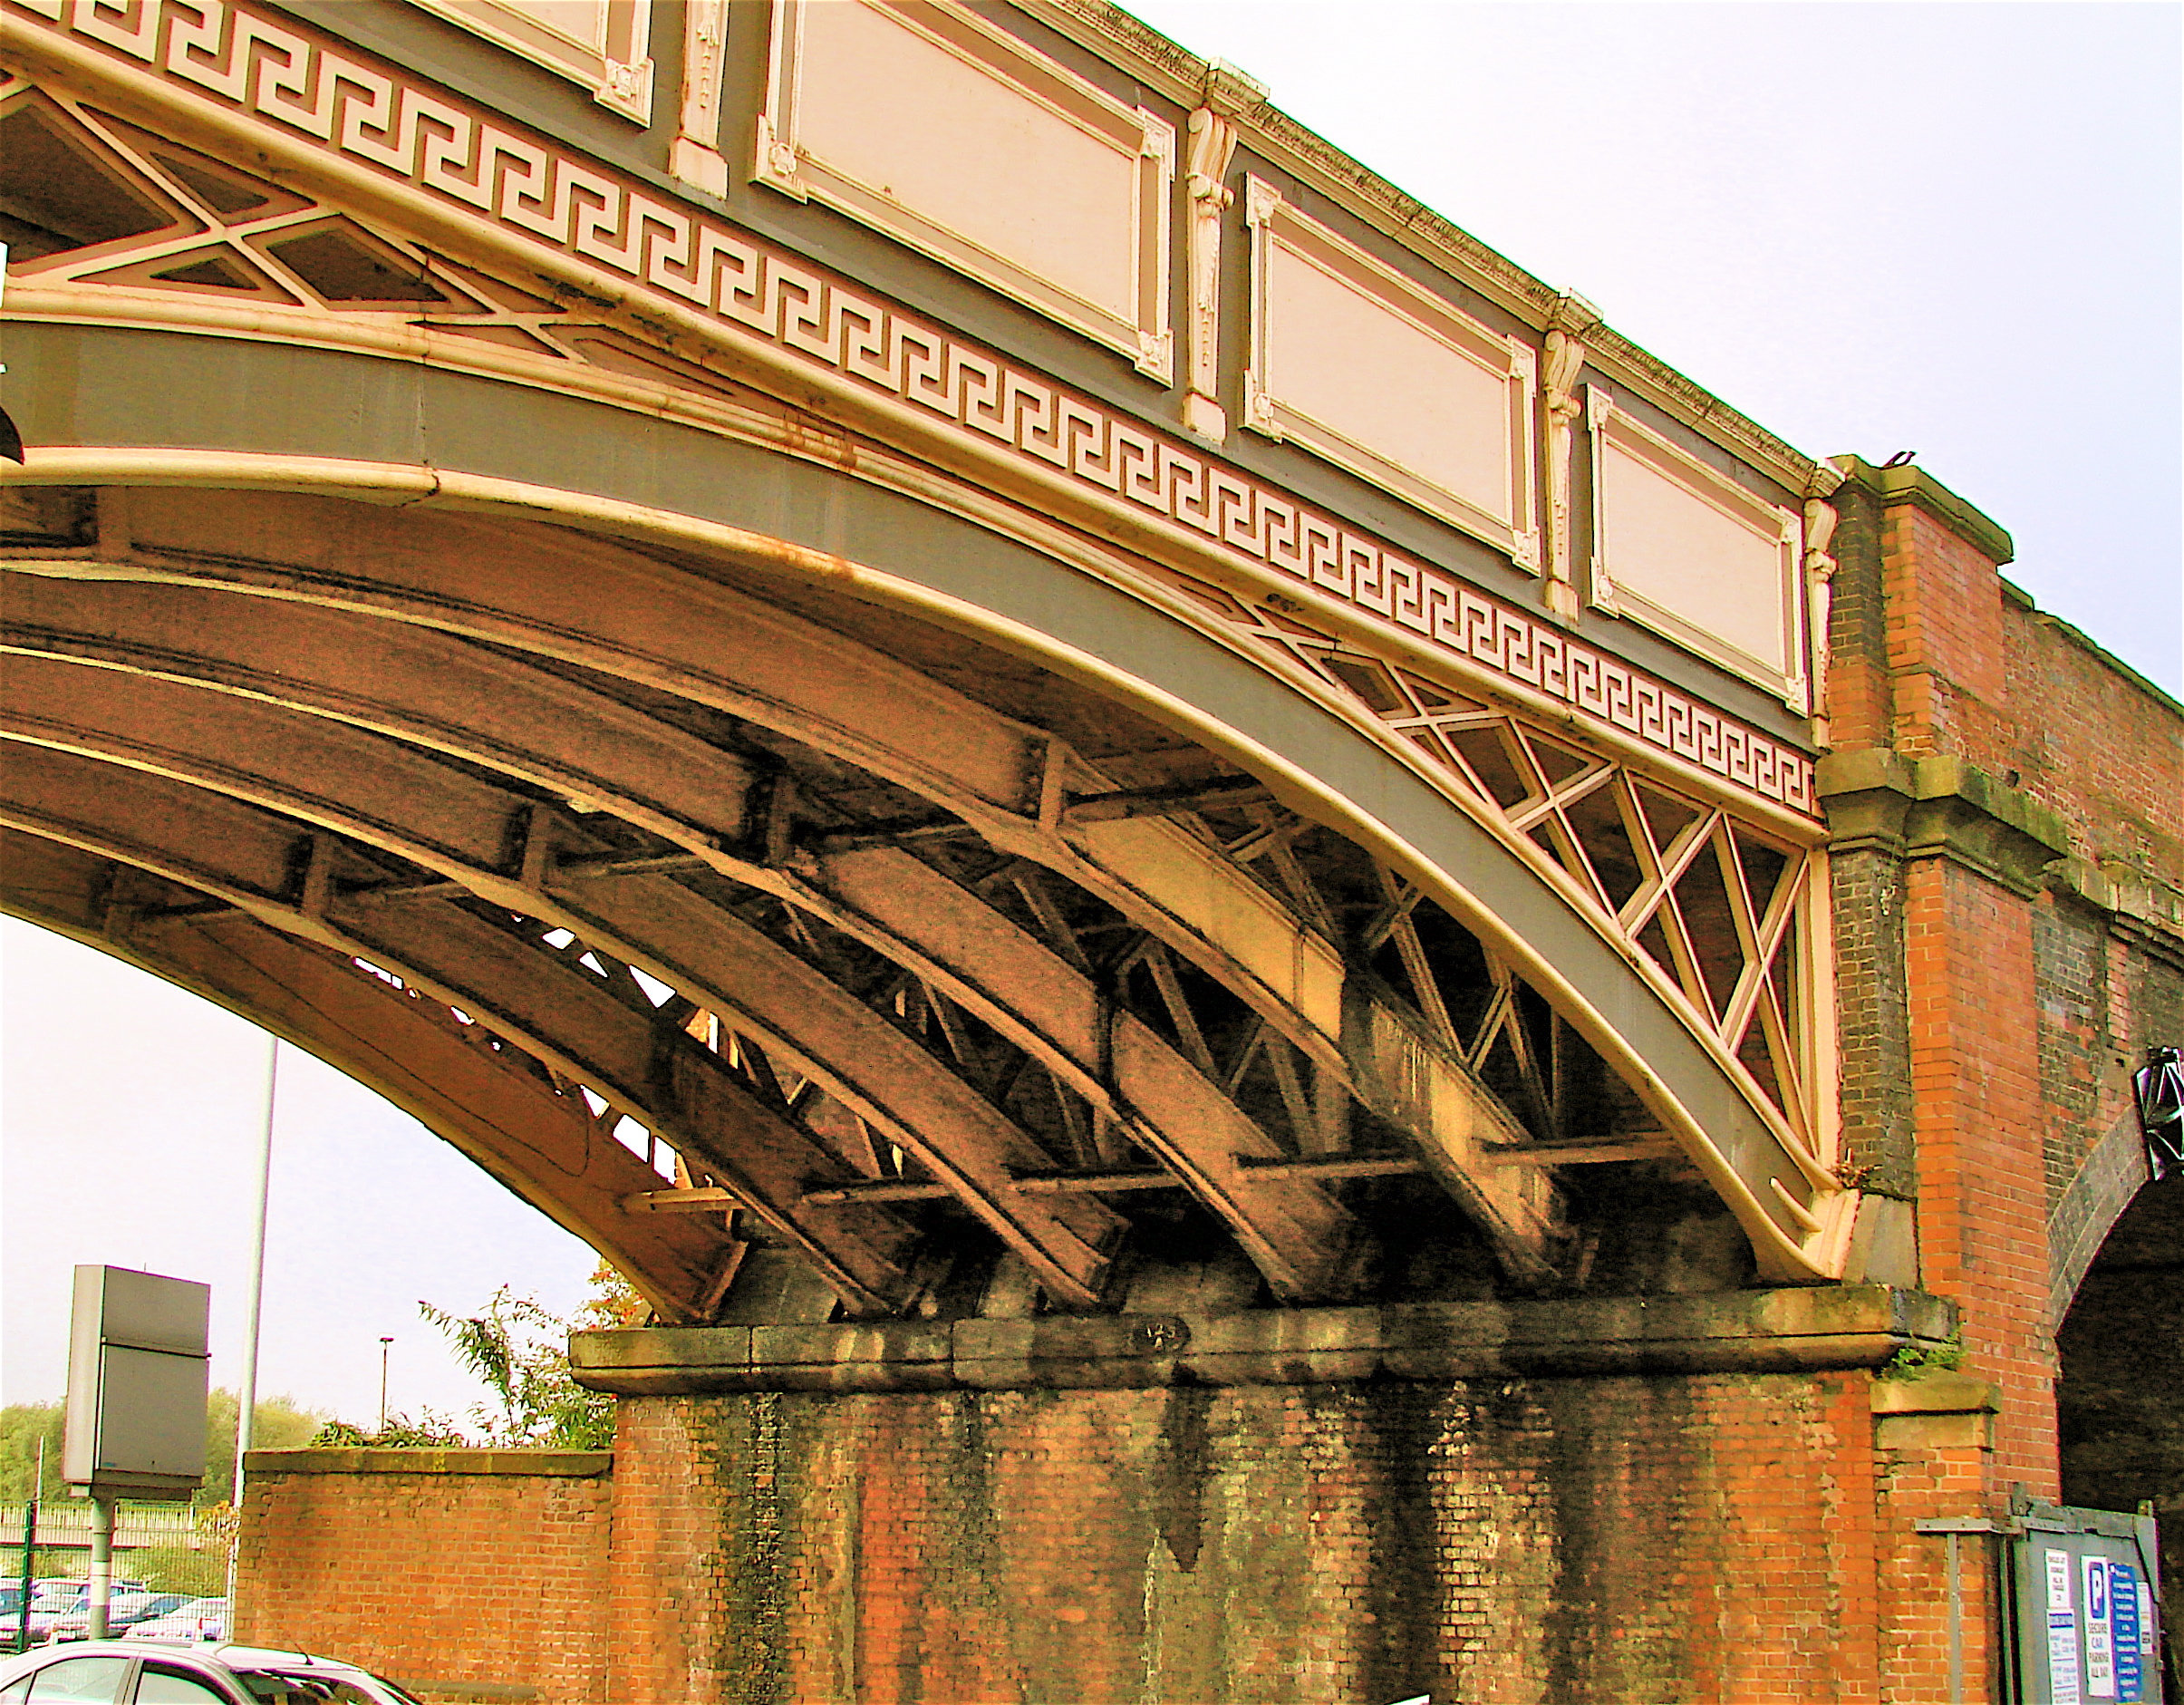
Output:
(64, 1524)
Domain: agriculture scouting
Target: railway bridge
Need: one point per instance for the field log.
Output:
(1282, 970)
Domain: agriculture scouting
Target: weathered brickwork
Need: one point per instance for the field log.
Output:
(1983, 1197)
(1944, 642)
(1932, 1464)
(2009, 878)
(438, 1568)
(1546, 1541)
(1705, 1537)
(2090, 742)
(1874, 1020)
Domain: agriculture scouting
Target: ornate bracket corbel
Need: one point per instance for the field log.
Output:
(695, 154)
(1226, 94)
(1820, 574)
(1573, 317)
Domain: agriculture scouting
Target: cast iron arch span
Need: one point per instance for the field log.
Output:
(456, 826)
(156, 642)
(965, 575)
(212, 667)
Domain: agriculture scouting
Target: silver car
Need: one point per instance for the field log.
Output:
(150, 1672)
(125, 1610)
(198, 1619)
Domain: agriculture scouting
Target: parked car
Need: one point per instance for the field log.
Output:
(125, 1610)
(49, 1610)
(58, 1590)
(111, 1672)
(198, 1619)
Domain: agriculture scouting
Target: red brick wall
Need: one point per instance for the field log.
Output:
(2090, 743)
(2024, 1011)
(1944, 638)
(408, 1564)
(1934, 1467)
(1980, 1119)
(1703, 1538)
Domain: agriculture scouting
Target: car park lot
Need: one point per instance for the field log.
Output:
(154, 1673)
(62, 1600)
(125, 1611)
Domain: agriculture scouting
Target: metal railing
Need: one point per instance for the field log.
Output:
(64, 1523)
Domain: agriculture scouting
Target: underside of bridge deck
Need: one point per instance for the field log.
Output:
(806, 956)
(817, 857)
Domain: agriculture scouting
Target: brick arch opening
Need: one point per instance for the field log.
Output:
(2120, 1396)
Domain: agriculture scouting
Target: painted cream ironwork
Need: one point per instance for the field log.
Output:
(1212, 130)
(1725, 908)
(1688, 551)
(603, 44)
(761, 302)
(833, 954)
(694, 156)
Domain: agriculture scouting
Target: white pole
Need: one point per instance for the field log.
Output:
(98, 1593)
(246, 1413)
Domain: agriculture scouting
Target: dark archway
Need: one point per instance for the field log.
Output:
(2119, 1401)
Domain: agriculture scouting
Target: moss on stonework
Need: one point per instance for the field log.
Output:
(1914, 1360)
(754, 1583)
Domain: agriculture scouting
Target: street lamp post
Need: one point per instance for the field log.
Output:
(385, 1344)
(246, 1413)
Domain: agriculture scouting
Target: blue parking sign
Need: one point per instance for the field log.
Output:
(2123, 1618)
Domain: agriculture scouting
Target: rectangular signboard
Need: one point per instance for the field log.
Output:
(2086, 1602)
(137, 1364)
(2123, 1589)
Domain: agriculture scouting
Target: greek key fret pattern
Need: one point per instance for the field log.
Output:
(315, 88)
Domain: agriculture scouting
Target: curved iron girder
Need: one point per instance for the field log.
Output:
(651, 623)
(416, 684)
(421, 684)
(669, 490)
(459, 827)
(285, 877)
(247, 857)
(540, 1144)
(1159, 874)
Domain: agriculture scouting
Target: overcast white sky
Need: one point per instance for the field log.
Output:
(1951, 228)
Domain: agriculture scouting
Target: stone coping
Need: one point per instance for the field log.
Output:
(1936, 1393)
(563, 1465)
(1780, 1330)
(1908, 484)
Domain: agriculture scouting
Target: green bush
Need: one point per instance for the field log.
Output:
(400, 1432)
(521, 1352)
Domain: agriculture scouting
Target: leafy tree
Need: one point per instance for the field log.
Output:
(521, 1351)
(612, 1302)
(22, 1427)
(282, 1423)
(279, 1423)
